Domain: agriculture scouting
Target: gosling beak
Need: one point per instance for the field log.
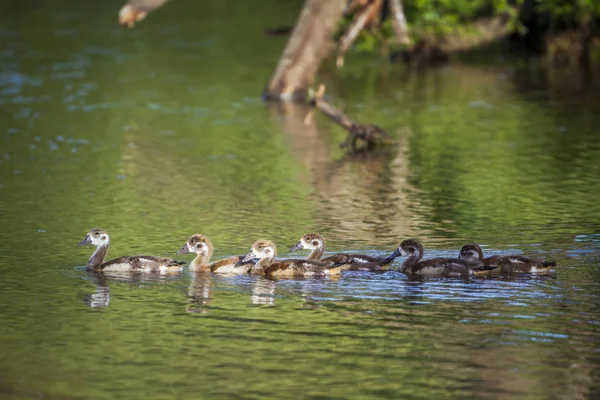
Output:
(297, 246)
(249, 256)
(244, 262)
(85, 241)
(396, 253)
(184, 250)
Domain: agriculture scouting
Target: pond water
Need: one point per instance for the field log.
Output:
(160, 132)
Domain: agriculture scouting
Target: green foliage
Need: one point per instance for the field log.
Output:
(569, 13)
(435, 18)
(444, 16)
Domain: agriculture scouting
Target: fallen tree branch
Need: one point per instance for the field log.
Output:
(354, 5)
(136, 10)
(360, 21)
(370, 134)
(309, 44)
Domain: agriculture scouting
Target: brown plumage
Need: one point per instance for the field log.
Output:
(203, 247)
(265, 251)
(99, 238)
(451, 267)
(507, 265)
(347, 262)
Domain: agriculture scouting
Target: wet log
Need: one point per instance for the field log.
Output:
(370, 134)
(136, 10)
(310, 42)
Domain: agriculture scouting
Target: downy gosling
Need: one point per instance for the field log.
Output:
(351, 262)
(99, 238)
(440, 267)
(507, 265)
(203, 247)
(264, 251)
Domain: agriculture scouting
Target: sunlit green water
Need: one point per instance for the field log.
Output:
(160, 132)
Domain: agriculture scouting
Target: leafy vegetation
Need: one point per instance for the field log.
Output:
(431, 19)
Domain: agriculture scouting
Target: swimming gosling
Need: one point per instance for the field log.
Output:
(351, 262)
(440, 267)
(507, 265)
(99, 238)
(203, 247)
(265, 251)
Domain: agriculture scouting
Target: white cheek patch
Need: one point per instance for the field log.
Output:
(99, 240)
(306, 244)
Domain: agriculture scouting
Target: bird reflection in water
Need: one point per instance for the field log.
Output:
(263, 291)
(199, 292)
(101, 297)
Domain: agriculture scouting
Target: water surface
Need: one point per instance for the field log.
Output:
(160, 132)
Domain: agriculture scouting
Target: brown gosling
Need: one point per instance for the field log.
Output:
(99, 238)
(203, 247)
(264, 251)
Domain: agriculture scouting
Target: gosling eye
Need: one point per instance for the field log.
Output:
(96, 233)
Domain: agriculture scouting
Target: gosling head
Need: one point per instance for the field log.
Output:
(471, 252)
(96, 236)
(261, 249)
(310, 241)
(407, 248)
(411, 247)
(199, 244)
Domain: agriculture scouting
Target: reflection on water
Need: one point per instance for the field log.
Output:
(160, 132)
(263, 291)
(101, 296)
(199, 292)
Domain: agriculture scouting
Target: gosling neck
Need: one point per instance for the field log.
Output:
(316, 253)
(409, 262)
(261, 265)
(200, 263)
(97, 258)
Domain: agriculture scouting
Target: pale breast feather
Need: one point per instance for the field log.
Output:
(118, 267)
(229, 268)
